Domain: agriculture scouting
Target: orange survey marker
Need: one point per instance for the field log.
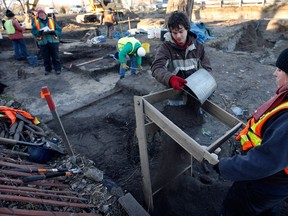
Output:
(45, 93)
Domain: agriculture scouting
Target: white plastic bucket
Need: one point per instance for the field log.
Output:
(151, 33)
(202, 84)
(157, 32)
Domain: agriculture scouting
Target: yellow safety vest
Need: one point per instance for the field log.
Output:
(124, 40)
(251, 135)
(9, 27)
(51, 25)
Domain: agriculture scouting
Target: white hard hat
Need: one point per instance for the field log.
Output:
(141, 51)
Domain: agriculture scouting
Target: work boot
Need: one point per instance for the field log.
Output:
(58, 72)
(121, 77)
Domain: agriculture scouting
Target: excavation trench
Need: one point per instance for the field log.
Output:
(104, 130)
(103, 127)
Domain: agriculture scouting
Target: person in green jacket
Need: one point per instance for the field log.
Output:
(47, 32)
(130, 46)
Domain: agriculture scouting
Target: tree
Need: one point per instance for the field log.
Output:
(185, 6)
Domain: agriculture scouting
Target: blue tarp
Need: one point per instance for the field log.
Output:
(203, 33)
(118, 35)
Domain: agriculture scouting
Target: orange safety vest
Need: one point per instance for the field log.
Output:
(109, 17)
(51, 25)
(11, 114)
(251, 135)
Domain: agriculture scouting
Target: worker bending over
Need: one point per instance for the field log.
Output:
(130, 46)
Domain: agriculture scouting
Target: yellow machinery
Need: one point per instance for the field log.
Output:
(98, 8)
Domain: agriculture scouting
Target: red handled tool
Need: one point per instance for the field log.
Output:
(39, 170)
(50, 175)
(45, 93)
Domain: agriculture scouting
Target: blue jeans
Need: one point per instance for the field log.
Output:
(133, 65)
(254, 198)
(50, 55)
(20, 50)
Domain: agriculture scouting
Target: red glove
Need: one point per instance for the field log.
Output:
(177, 83)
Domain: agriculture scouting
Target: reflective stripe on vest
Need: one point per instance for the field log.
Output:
(51, 25)
(124, 40)
(251, 135)
(9, 27)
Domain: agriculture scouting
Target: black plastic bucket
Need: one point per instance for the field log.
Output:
(40, 154)
(163, 31)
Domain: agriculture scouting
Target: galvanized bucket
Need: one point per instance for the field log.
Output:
(202, 84)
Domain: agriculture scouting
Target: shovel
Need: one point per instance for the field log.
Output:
(46, 144)
(91, 61)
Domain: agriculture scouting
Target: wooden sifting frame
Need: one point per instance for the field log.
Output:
(144, 110)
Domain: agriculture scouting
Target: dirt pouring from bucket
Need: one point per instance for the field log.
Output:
(97, 110)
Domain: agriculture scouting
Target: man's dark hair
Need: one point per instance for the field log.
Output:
(176, 19)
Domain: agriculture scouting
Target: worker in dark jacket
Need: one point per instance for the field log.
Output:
(261, 174)
(47, 32)
(180, 55)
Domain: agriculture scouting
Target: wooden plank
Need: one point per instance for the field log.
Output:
(18, 181)
(24, 212)
(30, 193)
(142, 143)
(43, 201)
(131, 206)
(220, 114)
(162, 95)
(38, 190)
(189, 144)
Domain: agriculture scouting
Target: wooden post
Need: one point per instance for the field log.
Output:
(45, 93)
(142, 142)
(129, 24)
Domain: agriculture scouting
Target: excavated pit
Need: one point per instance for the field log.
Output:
(104, 130)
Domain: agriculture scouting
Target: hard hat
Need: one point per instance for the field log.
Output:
(141, 51)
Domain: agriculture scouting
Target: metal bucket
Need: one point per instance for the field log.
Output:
(202, 84)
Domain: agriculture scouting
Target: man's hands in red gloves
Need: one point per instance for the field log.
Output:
(177, 83)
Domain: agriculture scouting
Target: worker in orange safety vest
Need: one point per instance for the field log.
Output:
(260, 175)
(47, 32)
